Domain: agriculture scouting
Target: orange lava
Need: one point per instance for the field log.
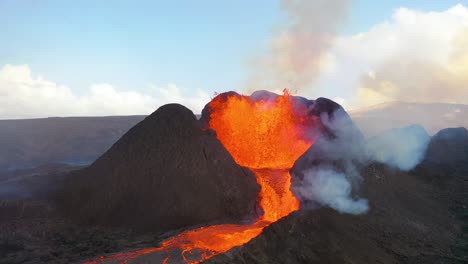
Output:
(259, 134)
(264, 136)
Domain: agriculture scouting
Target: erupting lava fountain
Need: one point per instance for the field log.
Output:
(267, 134)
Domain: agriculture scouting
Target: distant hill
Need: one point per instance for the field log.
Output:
(80, 140)
(432, 116)
(72, 140)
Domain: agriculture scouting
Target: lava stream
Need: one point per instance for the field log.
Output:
(266, 136)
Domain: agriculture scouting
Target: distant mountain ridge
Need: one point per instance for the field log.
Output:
(73, 140)
(432, 116)
(28, 143)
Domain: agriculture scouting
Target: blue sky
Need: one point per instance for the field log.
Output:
(80, 42)
(204, 44)
(197, 44)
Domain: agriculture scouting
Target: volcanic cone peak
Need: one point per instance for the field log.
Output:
(310, 137)
(335, 136)
(165, 173)
(321, 109)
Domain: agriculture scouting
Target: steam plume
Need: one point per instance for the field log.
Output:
(327, 173)
(332, 189)
(296, 53)
(403, 148)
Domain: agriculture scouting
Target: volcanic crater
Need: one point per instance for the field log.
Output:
(227, 188)
(264, 133)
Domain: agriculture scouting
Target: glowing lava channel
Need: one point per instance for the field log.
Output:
(265, 136)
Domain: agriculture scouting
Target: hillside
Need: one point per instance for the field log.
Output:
(415, 217)
(168, 171)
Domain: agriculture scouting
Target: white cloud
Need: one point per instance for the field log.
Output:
(23, 95)
(415, 56)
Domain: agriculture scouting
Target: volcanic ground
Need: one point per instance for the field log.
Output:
(229, 188)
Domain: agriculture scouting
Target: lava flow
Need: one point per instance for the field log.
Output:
(265, 135)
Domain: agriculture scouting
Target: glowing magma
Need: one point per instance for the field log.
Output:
(266, 136)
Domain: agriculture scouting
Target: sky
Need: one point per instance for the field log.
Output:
(63, 58)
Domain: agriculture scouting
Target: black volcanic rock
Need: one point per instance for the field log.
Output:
(450, 148)
(446, 166)
(446, 156)
(405, 224)
(413, 218)
(165, 173)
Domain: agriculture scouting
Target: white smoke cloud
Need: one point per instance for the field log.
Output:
(415, 56)
(330, 188)
(23, 95)
(403, 148)
(296, 54)
(328, 172)
(330, 169)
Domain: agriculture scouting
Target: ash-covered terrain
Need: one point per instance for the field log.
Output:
(398, 196)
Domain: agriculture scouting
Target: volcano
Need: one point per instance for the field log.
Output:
(237, 201)
(265, 133)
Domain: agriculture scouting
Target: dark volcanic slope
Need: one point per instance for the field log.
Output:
(446, 166)
(415, 217)
(406, 224)
(165, 173)
(449, 148)
(31, 142)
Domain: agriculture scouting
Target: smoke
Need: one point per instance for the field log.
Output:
(297, 53)
(328, 173)
(347, 142)
(332, 189)
(403, 148)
